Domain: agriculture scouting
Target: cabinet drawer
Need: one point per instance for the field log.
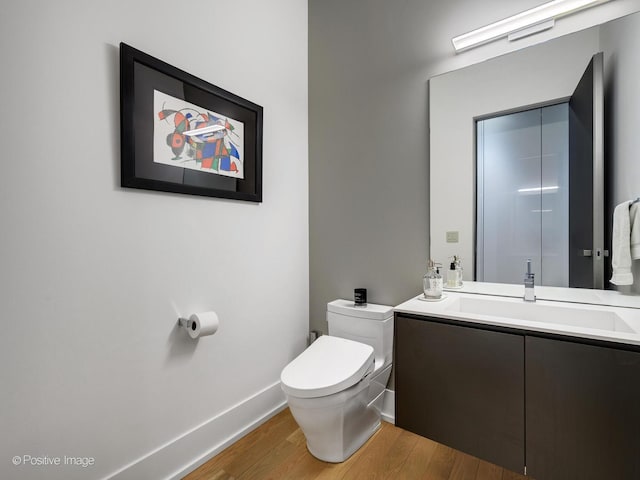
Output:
(463, 387)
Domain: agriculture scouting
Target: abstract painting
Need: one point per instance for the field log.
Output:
(189, 136)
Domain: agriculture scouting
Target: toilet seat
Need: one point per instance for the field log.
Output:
(329, 365)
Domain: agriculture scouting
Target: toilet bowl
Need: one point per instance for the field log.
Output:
(335, 387)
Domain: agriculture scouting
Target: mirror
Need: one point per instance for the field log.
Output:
(537, 75)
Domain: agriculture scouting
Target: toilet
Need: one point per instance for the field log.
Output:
(335, 387)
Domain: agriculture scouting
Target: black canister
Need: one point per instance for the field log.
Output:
(360, 297)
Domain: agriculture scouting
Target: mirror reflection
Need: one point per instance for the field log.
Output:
(479, 188)
(522, 199)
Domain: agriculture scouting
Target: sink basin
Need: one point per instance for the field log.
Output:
(567, 314)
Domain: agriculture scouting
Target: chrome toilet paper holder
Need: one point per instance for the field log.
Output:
(186, 323)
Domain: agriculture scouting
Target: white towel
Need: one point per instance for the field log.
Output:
(621, 246)
(634, 220)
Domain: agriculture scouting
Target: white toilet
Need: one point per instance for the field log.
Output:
(335, 387)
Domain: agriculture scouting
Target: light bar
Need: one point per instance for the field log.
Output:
(541, 14)
(538, 189)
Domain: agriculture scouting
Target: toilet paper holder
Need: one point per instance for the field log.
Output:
(186, 323)
(200, 324)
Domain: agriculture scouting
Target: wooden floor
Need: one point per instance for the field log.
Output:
(277, 450)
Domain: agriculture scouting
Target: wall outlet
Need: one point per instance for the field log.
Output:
(452, 237)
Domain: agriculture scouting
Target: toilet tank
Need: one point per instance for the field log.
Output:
(371, 324)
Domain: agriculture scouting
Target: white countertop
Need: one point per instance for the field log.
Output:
(449, 308)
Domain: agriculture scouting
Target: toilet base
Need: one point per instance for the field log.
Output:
(337, 425)
(355, 446)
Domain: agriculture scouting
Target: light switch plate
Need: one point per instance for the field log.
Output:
(452, 237)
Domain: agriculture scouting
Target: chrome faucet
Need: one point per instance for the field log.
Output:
(529, 284)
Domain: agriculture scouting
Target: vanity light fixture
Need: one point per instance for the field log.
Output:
(523, 24)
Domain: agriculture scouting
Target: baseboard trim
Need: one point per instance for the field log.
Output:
(389, 406)
(193, 448)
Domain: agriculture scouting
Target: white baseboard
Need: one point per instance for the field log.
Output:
(389, 406)
(193, 448)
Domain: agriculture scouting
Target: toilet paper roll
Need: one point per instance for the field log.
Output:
(203, 324)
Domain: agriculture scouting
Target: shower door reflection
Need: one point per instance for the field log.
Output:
(522, 204)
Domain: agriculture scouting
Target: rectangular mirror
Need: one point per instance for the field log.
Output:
(541, 75)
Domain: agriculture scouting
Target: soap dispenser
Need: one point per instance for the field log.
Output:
(458, 262)
(454, 274)
(432, 282)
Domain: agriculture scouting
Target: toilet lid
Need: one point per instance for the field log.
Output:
(329, 365)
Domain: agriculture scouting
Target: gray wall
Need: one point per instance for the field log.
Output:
(370, 61)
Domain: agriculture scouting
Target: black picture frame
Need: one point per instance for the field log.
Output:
(141, 76)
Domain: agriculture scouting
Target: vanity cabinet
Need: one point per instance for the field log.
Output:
(567, 408)
(461, 386)
(583, 411)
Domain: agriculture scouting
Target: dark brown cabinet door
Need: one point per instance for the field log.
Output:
(463, 387)
(583, 411)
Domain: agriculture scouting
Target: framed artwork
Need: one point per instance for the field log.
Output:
(181, 134)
